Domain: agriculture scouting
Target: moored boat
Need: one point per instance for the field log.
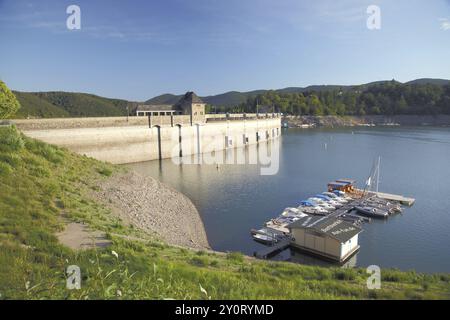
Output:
(372, 212)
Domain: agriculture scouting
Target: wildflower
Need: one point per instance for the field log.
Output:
(27, 285)
(119, 293)
(115, 254)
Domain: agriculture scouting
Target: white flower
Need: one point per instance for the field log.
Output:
(27, 285)
(119, 293)
(115, 254)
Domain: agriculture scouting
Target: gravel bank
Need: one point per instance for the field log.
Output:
(378, 120)
(154, 207)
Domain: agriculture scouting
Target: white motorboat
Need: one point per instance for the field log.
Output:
(293, 212)
(322, 203)
(335, 197)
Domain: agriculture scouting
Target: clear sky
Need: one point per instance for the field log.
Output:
(138, 49)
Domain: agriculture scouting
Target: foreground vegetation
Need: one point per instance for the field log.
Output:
(40, 184)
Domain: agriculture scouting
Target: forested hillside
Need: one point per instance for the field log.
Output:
(385, 98)
(421, 96)
(68, 104)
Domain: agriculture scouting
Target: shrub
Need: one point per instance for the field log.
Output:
(104, 171)
(5, 168)
(214, 263)
(12, 159)
(348, 274)
(49, 152)
(200, 261)
(10, 139)
(8, 102)
(235, 256)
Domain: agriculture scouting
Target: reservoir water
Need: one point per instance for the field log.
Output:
(232, 199)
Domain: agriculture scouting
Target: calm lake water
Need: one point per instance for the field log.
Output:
(415, 162)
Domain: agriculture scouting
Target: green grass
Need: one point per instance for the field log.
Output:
(39, 183)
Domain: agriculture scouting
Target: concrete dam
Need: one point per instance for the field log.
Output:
(123, 140)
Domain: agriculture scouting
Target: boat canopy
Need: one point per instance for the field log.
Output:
(307, 203)
(347, 181)
(338, 184)
(322, 196)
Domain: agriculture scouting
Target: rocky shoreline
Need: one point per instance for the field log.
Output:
(155, 208)
(370, 120)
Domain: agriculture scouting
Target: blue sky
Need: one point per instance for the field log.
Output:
(138, 49)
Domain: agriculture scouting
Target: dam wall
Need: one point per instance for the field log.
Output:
(119, 141)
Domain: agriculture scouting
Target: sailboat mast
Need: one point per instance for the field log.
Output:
(378, 171)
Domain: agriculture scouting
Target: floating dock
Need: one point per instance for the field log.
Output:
(311, 230)
(394, 197)
(267, 252)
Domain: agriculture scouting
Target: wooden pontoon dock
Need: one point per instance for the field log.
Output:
(394, 197)
(267, 252)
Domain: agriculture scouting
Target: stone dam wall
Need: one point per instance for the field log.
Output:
(119, 141)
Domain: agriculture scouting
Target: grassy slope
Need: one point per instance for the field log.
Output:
(38, 182)
(68, 104)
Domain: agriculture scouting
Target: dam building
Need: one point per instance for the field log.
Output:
(328, 237)
(156, 132)
(190, 104)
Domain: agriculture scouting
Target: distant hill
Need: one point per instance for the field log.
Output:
(164, 99)
(233, 98)
(68, 104)
(439, 82)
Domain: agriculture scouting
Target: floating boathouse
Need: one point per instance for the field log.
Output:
(327, 237)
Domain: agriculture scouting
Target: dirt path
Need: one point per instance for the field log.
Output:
(78, 236)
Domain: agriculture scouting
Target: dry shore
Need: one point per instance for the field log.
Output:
(154, 207)
(378, 120)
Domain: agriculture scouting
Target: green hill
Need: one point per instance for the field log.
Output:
(34, 106)
(164, 99)
(439, 82)
(41, 184)
(235, 98)
(68, 104)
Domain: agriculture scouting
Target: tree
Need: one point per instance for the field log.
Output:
(8, 102)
